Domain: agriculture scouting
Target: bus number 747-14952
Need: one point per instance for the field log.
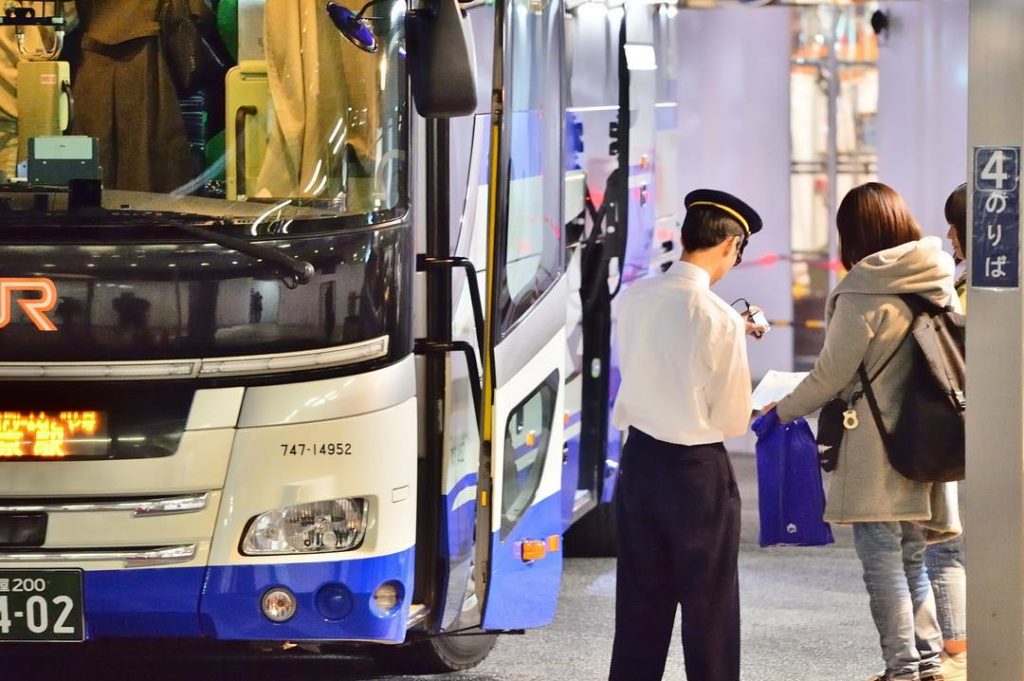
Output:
(317, 449)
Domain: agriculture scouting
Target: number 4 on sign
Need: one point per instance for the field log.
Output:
(993, 171)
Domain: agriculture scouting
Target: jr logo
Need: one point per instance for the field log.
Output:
(35, 308)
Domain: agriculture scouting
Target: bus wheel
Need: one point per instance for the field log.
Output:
(436, 654)
(593, 535)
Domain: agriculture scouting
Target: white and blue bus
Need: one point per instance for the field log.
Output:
(348, 379)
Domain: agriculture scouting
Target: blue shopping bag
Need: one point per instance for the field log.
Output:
(791, 498)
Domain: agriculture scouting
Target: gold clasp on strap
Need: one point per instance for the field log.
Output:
(850, 420)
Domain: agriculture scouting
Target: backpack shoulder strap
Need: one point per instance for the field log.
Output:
(876, 413)
(885, 364)
(918, 305)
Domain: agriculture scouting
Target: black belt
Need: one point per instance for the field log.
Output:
(644, 442)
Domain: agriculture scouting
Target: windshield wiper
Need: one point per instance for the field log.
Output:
(298, 271)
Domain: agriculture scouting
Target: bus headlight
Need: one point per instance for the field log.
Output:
(337, 525)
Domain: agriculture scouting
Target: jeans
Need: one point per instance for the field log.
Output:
(900, 594)
(946, 564)
(949, 581)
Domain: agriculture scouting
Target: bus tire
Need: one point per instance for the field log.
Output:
(437, 654)
(593, 535)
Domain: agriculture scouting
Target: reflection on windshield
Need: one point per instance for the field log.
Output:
(152, 301)
(263, 102)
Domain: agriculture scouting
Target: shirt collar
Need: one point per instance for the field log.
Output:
(685, 270)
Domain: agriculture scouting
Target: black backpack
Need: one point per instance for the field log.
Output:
(928, 442)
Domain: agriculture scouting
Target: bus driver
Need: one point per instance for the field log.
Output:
(685, 389)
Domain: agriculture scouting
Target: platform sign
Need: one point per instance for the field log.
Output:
(995, 258)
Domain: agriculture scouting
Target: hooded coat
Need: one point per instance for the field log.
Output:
(867, 322)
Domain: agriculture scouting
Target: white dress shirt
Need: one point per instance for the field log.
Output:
(683, 355)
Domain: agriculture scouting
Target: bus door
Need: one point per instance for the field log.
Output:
(519, 528)
(636, 140)
(619, 247)
(459, 606)
(593, 253)
(639, 79)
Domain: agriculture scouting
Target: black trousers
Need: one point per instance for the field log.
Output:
(678, 514)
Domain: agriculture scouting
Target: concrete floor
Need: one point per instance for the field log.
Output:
(805, 618)
(804, 612)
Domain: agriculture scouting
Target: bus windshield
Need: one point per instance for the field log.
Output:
(167, 171)
(270, 111)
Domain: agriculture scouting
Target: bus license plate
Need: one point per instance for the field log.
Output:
(41, 605)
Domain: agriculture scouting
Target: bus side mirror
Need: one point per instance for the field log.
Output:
(352, 25)
(441, 60)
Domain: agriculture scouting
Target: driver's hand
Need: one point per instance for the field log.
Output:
(755, 330)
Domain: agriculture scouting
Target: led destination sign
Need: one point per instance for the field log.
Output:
(49, 435)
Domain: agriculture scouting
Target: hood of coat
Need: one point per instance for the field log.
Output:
(919, 267)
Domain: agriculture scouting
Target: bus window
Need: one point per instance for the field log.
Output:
(534, 253)
(527, 435)
(318, 123)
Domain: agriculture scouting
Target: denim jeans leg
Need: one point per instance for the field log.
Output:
(945, 563)
(926, 623)
(880, 549)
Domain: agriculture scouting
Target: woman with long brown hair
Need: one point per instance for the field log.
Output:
(893, 518)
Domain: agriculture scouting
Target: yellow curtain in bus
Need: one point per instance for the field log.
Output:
(324, 93)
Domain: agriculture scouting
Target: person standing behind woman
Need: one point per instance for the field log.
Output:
(893, 518)
(956, 218)
(945, 560)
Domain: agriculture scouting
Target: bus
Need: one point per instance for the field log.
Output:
(306, 313)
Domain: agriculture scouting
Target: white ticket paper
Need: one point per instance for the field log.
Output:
(775, 385)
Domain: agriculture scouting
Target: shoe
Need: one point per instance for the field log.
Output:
(931, 675)
(954, 667)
